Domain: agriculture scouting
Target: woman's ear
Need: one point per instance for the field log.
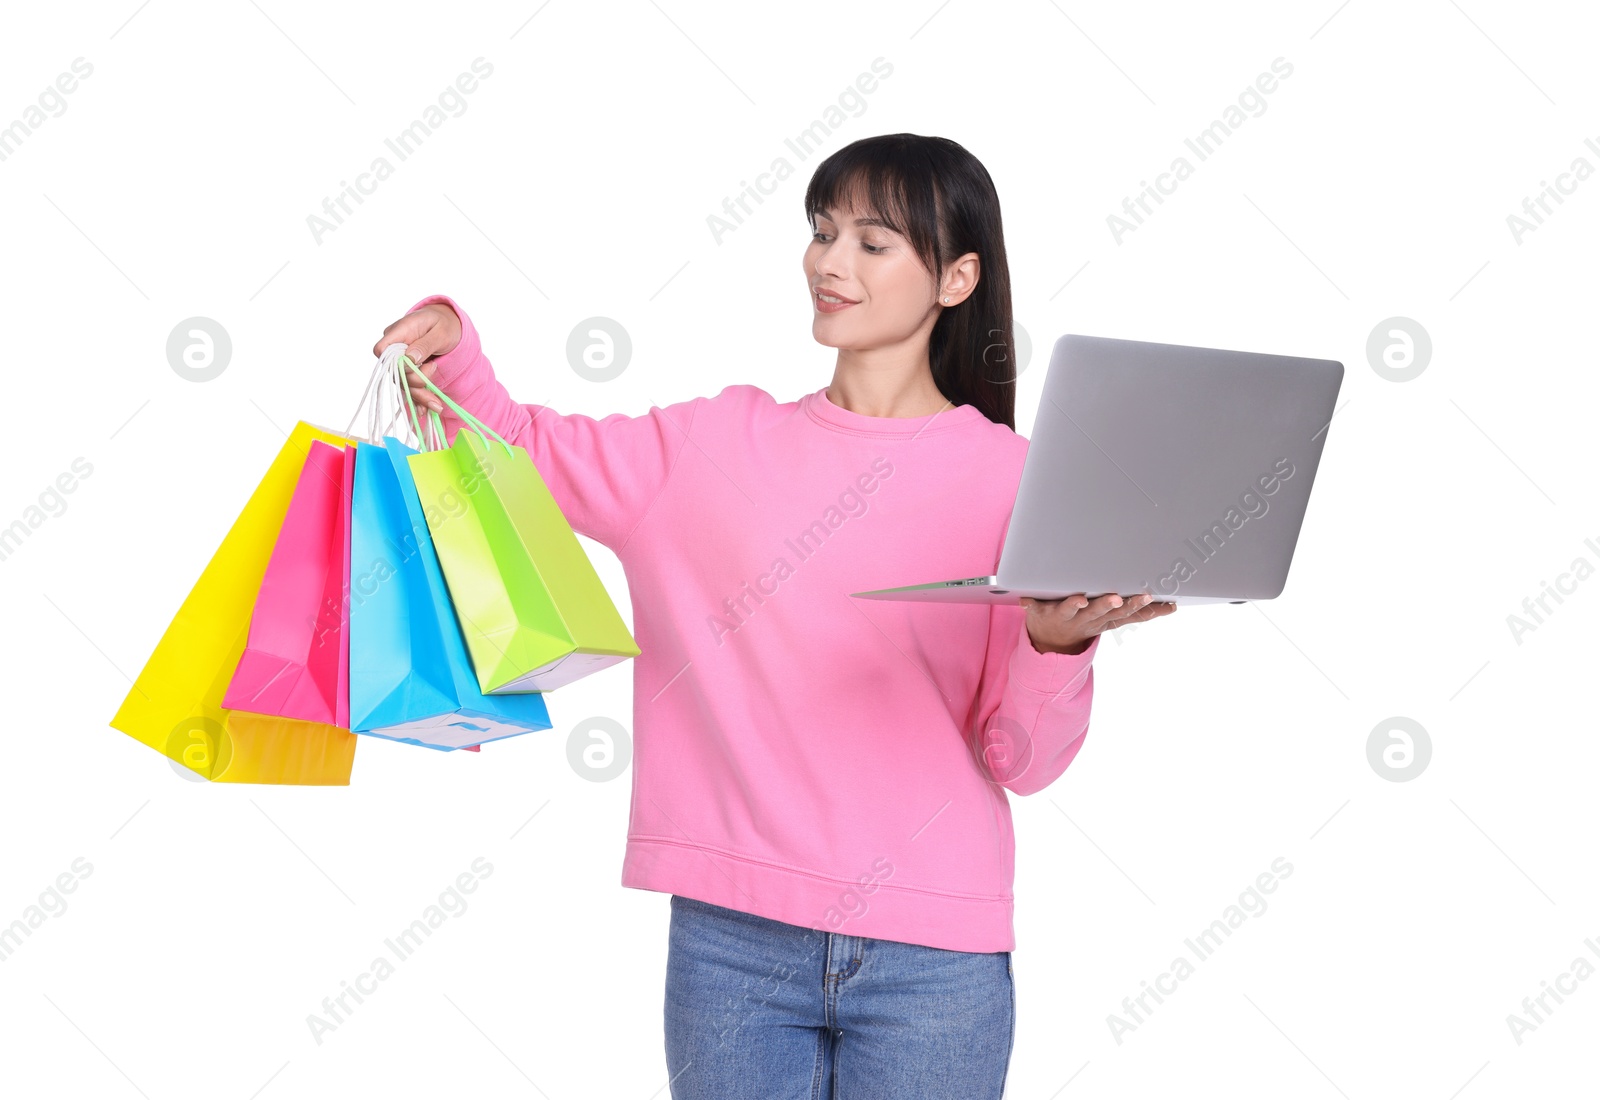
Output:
(961, 278)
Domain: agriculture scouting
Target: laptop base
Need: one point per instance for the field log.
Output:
(989, 590)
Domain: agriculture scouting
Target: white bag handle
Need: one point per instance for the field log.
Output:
(388, 389)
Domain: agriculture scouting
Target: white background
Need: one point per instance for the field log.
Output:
(578, 182)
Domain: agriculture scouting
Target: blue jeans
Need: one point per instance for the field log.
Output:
(759, 1009)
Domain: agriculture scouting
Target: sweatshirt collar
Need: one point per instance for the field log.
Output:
(829, 415)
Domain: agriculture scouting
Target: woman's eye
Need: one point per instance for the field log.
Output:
(871, 248)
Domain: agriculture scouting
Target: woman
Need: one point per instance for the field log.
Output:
(819, 782)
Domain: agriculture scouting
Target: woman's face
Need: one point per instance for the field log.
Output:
(854, 257)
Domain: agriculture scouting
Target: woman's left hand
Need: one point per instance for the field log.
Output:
(1069, 624)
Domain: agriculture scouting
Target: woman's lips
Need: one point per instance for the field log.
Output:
(830, 307)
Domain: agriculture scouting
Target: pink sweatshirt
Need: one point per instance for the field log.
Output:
(830, 762)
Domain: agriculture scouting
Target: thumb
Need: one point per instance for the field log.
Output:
(422, 331)
(438, 331)
(422, 350)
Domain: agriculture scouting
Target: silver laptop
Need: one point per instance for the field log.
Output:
(1177, 471)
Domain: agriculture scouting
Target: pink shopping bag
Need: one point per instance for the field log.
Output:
(296, 661)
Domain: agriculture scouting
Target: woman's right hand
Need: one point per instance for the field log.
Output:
(429, 332)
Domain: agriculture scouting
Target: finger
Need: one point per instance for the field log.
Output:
(421, 350)
(427, 370)
(420, 393)
(1132, 607)
(1057, 610)
(406, 330)
(1154, 609)
(421, 331)
(1140, 609)
(1101, 609)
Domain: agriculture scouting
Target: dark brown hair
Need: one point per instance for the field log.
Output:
(940, 198)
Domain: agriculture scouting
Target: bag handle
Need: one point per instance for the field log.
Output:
(390, 373)
(432, 439)
(435, 424)
(387, 375)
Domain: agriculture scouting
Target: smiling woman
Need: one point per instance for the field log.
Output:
(805, 738)
(907, 240)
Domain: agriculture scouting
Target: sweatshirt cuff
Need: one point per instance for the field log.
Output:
(1049, 673)
(450, 367)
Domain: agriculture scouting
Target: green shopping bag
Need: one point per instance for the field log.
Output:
(531, 607)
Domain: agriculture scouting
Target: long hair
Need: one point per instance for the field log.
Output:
(940, 198)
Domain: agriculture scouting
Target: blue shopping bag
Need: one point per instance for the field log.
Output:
(411, 679)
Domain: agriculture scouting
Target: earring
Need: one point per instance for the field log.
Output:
(947, 300)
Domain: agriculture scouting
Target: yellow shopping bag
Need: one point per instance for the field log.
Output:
(175, 706)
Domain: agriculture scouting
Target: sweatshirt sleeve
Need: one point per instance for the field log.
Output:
(604, 474)
(1032, 709)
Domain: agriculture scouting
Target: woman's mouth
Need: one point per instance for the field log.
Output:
(829, 303)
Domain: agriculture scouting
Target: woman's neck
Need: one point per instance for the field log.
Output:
(886, 393)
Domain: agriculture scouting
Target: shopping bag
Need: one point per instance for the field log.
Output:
(387, 374)
(532, 609)
(293, 665)
(175, 705)
(411, 678)
(342, 688)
